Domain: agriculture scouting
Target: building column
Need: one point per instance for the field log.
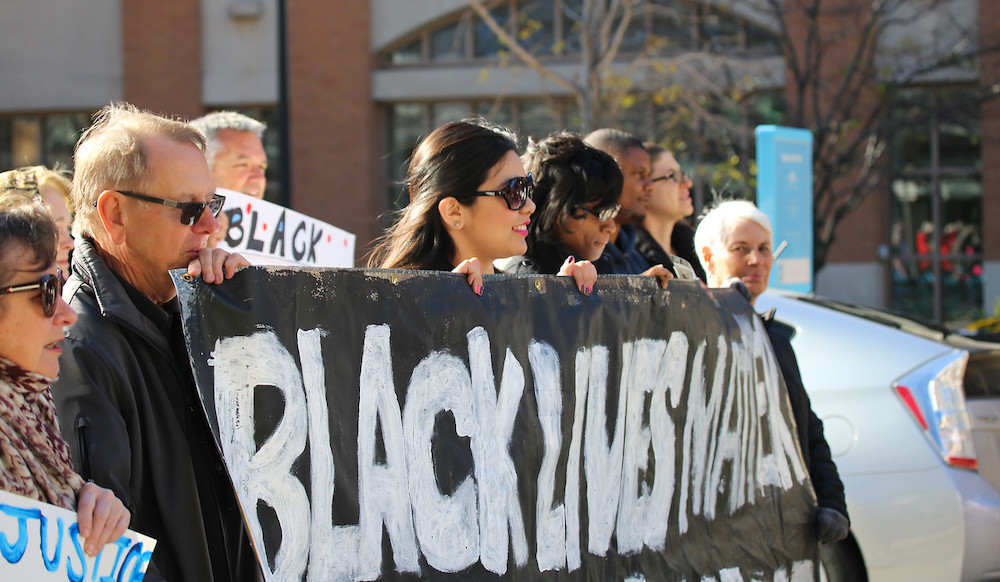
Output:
(331, 116)
(161, 46)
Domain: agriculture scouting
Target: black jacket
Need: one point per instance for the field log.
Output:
(815, 450)
(621, 257)
(128, 408)
(681, 240)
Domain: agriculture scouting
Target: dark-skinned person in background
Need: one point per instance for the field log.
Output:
(621, 256)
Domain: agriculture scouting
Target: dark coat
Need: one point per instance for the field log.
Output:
(128, 407)
(815, 450)
(621, 257)
(682, 242)
(542, 258)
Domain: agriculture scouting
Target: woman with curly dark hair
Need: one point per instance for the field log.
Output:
(577, 189)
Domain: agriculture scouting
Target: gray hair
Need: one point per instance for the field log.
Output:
(715, 227)
(210, 125)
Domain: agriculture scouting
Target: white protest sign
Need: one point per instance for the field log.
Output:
(41, 542)
(270, 234)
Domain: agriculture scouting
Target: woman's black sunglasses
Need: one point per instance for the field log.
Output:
(517, 192)
(603, 214)
(50, 286)
(190, 211)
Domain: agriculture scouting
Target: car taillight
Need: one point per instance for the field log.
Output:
(933, 394)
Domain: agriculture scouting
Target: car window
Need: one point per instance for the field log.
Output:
(982, 375)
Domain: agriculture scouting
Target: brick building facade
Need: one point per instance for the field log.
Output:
(367, 77)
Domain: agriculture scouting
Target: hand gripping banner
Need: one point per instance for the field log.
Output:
(393, 425)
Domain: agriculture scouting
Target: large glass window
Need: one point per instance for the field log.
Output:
(486, 44)
(407, 123)
(711, 133)
(536, 26)
(935, 240)
(448, 42)
(48, 139)
(549, 28)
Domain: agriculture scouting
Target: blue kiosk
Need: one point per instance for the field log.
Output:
(785, 194)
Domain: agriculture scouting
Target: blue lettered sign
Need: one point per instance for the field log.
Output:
(41, 542)
(785, 195)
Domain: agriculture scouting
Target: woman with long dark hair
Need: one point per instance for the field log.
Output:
(470, 205)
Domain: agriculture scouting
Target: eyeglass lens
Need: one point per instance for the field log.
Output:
(192, 211)
(517, 192)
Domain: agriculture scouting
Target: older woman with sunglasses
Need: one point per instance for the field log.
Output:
(470, 205)
(577, 190)
(34, 458)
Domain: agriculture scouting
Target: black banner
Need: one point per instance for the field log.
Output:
(394, 425)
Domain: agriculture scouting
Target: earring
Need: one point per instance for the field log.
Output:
(457, 224)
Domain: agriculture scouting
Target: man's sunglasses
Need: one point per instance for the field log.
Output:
(675, 175)
(604, 213)
(517, 192)
(190, 211)
(50, 286)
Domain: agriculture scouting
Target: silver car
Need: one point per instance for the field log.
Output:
(912, 416)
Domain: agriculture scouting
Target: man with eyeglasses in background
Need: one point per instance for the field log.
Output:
(620, 256)
(126, 398)
(663, 236)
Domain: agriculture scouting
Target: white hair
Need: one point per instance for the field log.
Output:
(210, 125)
(716, 227)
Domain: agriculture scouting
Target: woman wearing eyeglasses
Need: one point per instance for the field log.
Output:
(34, 459)
(577, 189)
(470, 205)
(664, 236)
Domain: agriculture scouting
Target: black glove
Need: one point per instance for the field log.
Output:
(831, 525)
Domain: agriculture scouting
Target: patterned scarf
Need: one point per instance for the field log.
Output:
(33, 455)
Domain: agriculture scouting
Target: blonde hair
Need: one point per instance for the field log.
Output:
(32, 179)
(111, 154)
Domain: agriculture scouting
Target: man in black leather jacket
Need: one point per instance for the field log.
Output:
(126, 398)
